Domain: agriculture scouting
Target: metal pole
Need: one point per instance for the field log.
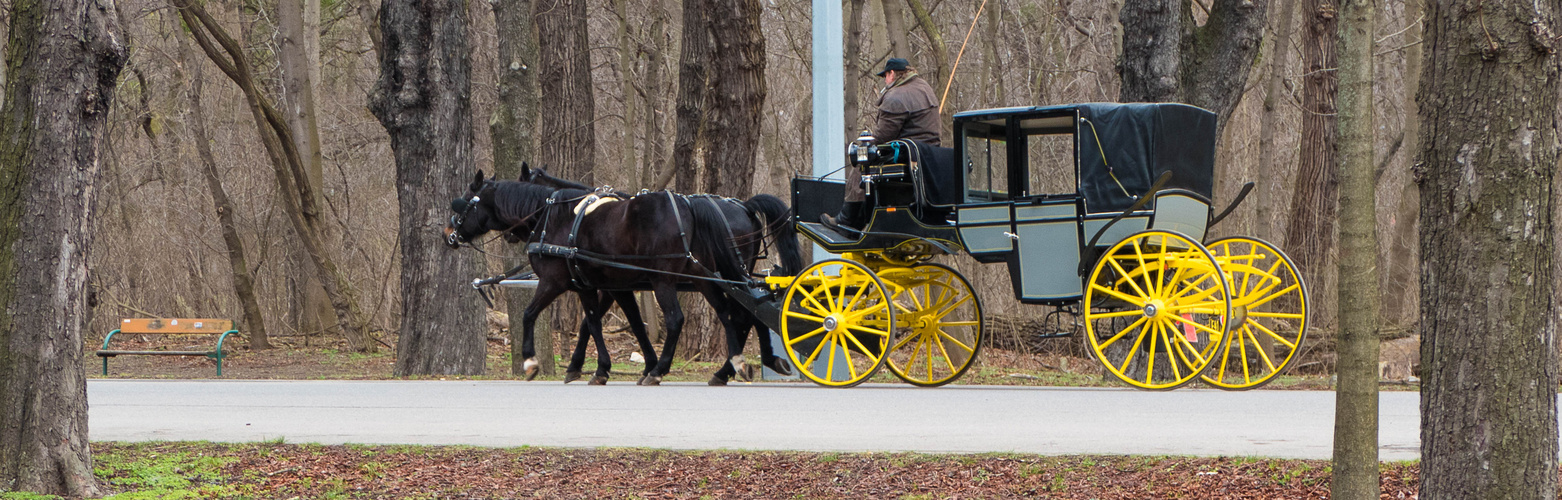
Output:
(829, 93)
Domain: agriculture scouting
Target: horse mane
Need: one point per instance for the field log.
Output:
(541, 176)
(514, 200)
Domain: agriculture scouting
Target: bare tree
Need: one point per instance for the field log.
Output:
(514, 128)
(64, 60)
(288, 167)
(1356, 406)
(298, 24)
(1169, 57)
(1274, 96)
(1488, 158)
(423, 98)
(737, 97)
(895, 27)
(566, 107)
(693, 73)
(254, 325)
(1310, 229)
(566, 104)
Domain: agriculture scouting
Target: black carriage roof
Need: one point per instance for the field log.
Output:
(1133, 142)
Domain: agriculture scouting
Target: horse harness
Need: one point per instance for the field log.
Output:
(574, 255)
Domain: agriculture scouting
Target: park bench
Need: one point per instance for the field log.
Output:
(170, 326)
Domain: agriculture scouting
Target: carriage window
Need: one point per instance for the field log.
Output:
(1050, 162)
(987, 157)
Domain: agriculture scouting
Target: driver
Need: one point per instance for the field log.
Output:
(907, 110)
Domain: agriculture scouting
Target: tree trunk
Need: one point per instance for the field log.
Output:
(513, 129)
(1356, 398)
(1168, 57)
(254, 326)
(853, 53)
(1399, 271)
(1269, 192)
(1488, 147)
(737, 98)
(693, 73)
(895, 27)
(627, 51)
(568, 140)
(423, 98)
(299, 38)
(63, 60)
(940, 79)
(297, 199)
(1310, 233)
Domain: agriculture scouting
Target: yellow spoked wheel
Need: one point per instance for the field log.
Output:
(1155, 304)
(1268, 311)
(837, 323)
(939, 320)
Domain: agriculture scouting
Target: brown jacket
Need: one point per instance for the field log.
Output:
(908, 110)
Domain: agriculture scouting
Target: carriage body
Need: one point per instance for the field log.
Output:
(1067, 198)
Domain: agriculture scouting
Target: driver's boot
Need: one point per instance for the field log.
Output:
(850, 218)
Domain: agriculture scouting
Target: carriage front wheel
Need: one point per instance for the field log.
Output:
(940, 323)
(1269, 309)
(1155, 309)
(837, 323)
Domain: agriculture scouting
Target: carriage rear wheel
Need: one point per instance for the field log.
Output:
(1154, 309)
(940, 324)
(1269, 308)
(837, 323)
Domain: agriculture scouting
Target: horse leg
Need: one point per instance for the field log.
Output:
(735, 338)
(767, 354)
(577, 357)
(546, 292)
(672, 320)
(626, 302)
(596, 309)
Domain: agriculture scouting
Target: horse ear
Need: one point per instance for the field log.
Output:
(526, 171)
(477, 182)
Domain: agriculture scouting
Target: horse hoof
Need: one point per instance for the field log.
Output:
(741, 368)
(651, 380)
(717, 381)
(530, 368)
(779, 366)
(571, 377)
(597, 380)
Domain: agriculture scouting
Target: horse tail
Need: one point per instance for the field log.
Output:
(711, 239)
(777, 219)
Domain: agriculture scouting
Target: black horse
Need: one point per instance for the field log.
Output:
(749, 222)
(650, 241)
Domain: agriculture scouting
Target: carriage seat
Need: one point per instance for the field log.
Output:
(935, 178)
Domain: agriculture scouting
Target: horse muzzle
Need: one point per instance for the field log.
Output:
(452, 238)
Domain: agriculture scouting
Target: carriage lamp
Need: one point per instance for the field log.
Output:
(861, 151)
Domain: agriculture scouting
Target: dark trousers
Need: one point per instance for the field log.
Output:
(854, 191)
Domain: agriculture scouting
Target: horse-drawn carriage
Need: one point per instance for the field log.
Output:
(1124, 252)
(1122, 249)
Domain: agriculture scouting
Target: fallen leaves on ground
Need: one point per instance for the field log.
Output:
(270, 470)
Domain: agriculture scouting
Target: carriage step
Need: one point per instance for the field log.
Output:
(825, 233)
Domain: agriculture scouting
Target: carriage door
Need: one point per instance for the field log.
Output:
(1044, 266)
(985, 219)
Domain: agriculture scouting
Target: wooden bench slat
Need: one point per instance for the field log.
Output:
(175, 326)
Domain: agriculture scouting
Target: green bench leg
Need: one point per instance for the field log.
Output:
(105, 348)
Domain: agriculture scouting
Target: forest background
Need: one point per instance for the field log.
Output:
(180, 130)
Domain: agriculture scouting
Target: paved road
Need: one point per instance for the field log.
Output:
(1294, 424)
